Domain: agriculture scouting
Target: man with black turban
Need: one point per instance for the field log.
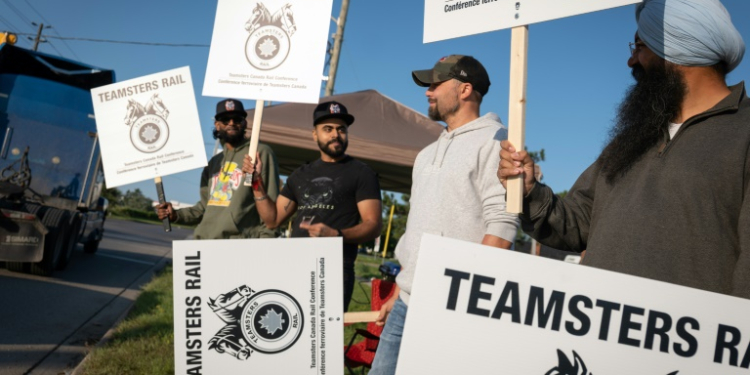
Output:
(669, 197)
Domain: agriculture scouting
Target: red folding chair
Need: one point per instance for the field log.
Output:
(362, 353)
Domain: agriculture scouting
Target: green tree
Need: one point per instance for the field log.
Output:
(113, 195)
(136, 200)
(398, 226)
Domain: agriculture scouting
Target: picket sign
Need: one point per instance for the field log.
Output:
(476, 309)
(480, 16)
(242, 307)
(267, 50)
(159, 135)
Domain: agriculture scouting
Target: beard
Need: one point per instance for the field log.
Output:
(233, 139)
(333, 153)
(643, 117)
(437, 112)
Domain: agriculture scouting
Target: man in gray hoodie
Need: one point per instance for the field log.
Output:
(669, 197)
(454, 190)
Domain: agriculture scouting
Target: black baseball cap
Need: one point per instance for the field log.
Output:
(229, 107)
(463, 68)
(328, 110)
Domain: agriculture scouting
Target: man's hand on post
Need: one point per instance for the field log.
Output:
(165, 210)
(513, 163)
(254, 169)
(386, 308)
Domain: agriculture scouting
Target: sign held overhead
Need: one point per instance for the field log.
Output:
(268, 50)
(469, 17)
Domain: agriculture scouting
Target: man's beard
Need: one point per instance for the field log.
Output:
(234, 140)
(435, 114)
(333, 153)
(643, 117)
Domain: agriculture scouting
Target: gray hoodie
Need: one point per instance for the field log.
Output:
(455, 192)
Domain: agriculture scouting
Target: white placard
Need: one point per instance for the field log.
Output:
(268, 50)
(259, 306)
(148, 127)
(446, 19)
(481, 310)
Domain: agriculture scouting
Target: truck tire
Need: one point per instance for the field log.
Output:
(91, 247)
(57, 222)
(70, 240)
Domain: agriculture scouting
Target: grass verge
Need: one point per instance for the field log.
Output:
(143, 343)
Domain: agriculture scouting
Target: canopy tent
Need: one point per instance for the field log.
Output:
(385, 134)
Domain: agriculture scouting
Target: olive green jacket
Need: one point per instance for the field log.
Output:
(227, 207)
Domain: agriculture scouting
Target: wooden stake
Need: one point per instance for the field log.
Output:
(162, 199)
(519, 52)
(360, 317)
(254, 137)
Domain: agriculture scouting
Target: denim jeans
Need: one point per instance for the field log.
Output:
(386, 357)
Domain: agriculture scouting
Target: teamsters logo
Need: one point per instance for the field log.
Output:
(574, 367)
(269, 321)
(269, 42)
(149, 131)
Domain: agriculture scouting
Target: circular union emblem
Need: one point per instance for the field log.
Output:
(149, 134)
(267, 47)
(272, 321)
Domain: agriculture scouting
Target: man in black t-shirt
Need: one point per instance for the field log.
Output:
(335, 195)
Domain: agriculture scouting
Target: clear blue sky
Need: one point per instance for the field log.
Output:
(577, 66)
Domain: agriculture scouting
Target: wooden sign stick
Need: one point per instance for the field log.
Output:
(162, 199)
(254, 137)
(360, 317)
(519, 52)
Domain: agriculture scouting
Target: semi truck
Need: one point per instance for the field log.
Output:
(51, 176)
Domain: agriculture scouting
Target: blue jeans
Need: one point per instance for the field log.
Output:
(386, 357)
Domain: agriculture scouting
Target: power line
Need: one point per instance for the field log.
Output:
(53, 29)
(18, 12)
(123, 41)
(12, 27)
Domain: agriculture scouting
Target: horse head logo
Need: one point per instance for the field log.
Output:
(566, 367)
(133, 111)
(261, 16)
(574, 367)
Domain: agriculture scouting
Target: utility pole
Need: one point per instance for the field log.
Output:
(38, 38)
(338, 38)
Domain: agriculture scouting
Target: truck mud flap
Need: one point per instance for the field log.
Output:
(21, 237)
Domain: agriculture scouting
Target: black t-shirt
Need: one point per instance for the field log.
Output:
(330, 192)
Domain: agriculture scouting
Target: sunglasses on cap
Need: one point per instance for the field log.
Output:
(225, 119)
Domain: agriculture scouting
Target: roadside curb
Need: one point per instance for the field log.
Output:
(156, 268)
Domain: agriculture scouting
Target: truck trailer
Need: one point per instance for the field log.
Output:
(51, 176)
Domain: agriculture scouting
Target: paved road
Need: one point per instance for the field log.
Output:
(47, 323)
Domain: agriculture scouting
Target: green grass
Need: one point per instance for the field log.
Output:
(144, 342)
